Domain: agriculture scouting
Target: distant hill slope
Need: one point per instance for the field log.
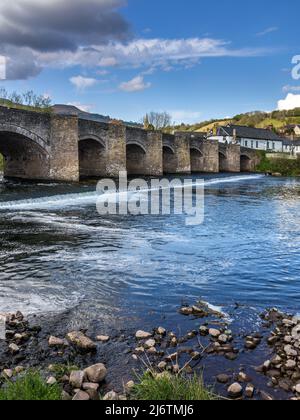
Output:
(73, 110)
(276, 119)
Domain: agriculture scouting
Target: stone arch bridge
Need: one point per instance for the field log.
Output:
(47, 146)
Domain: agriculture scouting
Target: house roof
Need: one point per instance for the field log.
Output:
(249, 132)
(289, 142)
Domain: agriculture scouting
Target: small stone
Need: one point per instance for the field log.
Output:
(142, 335)
(51, 381)
(162, 365)
(285, 385)
(81, 396)
(7, 373)
(223, 378)
(249, 391)
(14, 349)
(196, 355)
(235, 390)
(129, 386)
(86, 386)
(174, 342)
(96, 373)
(134, 356)
(214, 333)
(223, 338)
(288, 339)
(93, 394)
(231, 356)
(243, 377)
(272, 340)
(250, 345)
(297, 388)
(267, 365)
(19, 369)
(81, 341)
(152, 350)
(290, 351)
(173, 356)
(161, 331)
(291, 364)
(111, 396)
(203, 331)
(176, 369)
(65, 396)
(186, 311)
(103, 338)
(55, 342)
(76, 378)
(150, 343)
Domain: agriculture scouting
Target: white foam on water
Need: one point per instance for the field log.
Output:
(90, 198)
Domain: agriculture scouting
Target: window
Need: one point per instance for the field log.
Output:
(246, 143)
(268, 145)
(252, 144)
(274, 146)
(257, 145)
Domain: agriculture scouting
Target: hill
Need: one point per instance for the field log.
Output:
(276, 119)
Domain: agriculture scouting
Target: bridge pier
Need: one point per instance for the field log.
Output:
(182, 151)
(229, 158)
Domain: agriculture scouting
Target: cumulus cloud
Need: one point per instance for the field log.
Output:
(290, 102)
(82, 83)
(137, 84)
(37, 26)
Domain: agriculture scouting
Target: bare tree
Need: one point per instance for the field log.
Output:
(157, 120)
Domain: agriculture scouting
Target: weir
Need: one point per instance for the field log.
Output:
(48, 146)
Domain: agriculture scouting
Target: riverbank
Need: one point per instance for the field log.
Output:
(262, 364)
(279, 166)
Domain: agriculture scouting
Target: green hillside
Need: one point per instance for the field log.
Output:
(276, 119)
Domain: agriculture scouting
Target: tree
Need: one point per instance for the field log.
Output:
(157, 120)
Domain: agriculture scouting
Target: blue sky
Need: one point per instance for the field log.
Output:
(195, 59)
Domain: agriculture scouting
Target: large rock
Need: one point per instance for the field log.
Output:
(81, 341)
(290, 351)
(56, 342)
(77, 378)
(214, 333)
(235, 390)
(96, 373)
(81, 396)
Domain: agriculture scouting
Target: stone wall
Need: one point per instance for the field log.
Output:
(230, 158)
(182, 150)
(210, 152)
(64, 160)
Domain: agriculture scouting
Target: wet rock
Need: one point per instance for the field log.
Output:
(111, 396)
(81, 341)
(142, 335)
(186, 311)
(243, 377)
(223, 338)
(139, 350)
(51, 381)
(150, 343)
(152, 350)
(214, 332)
(196, 355)
(235, 390)
(249, 391)
(14, 349)
(297, 388)
(96, 373)
(81, 396)
(77, 378)
(7, 373)
(162, 365)
(86, 386)
(161, 331)
(129, 386)
(291, 364)
(223, 378)
(285, 385)
(231, 356)
(203, 331)
(103, 338)
(65, 396)
(272, 340)
(176, 369)
(56, 342)
(290, 351)
(173, 356)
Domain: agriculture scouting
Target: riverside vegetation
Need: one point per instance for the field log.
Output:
(279, 166)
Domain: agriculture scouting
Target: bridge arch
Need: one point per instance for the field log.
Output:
(169, 159)
(92, 156)
(246, 163)
(197, 161)
(222, 162)
(135, 158)
(26, 155)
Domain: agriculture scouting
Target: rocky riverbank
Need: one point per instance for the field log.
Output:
(263, 364)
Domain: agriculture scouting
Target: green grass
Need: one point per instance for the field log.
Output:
(285, 167)
(9, 104)
(171, 388)
(30, 387)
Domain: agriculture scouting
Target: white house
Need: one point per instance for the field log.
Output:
(291, 146)
(253, 138)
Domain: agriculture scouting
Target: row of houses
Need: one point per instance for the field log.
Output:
(256, 138)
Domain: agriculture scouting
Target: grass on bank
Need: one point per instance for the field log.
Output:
(30, 387)
(171, 388)
(12, 105)
(286, 167)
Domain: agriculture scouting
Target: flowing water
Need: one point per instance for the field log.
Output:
(57, 254)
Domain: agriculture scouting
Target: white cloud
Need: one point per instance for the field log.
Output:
(159, 53)
(137, 84)
(185, 116)
(268, 31)
(289, 88)
(82, 83)
(290, 102)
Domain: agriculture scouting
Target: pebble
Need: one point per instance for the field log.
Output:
(223, 378)
(96, 373)
(290, 351)
(150, 343)
(162, 365)
(51, 381)
(111, 396)
(223, 338)
(214, 333)
(55, 342)
(103, 338)
(86, 386)
(81, 396)
(142, 335)
(249, 391)
(235, 390)
(14, 348)
(81, 341)
(77, 378)
(203, 330)
(297, 388)
(7, 373)
(161, 331)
